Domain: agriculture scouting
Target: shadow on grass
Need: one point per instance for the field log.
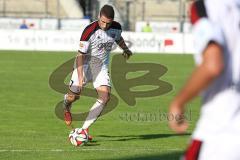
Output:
(90, 144)
(167, 156)
(140, 137)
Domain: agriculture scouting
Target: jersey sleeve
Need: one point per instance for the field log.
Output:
(85, 37)
(204, 32)
(118, 30)
(119, 35)
(83, 47)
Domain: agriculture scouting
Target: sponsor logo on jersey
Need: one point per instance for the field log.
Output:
(107, 45)
(81, 45)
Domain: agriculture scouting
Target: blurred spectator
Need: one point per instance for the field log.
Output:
(147, 28)
(23, 25)
(86, 17)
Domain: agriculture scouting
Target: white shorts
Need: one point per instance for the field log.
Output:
(218, 128)
(223, 147)
(99, 78)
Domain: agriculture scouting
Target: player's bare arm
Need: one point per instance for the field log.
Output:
(79, 62)
(126, 51)
(202, 76)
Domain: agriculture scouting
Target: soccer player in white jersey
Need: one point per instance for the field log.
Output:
(92, 63)
(216, 29)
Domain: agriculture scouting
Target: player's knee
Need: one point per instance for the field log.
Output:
(71, 97)
(105, 99)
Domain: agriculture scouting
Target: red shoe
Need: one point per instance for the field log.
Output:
(68, 118)
(89, 136)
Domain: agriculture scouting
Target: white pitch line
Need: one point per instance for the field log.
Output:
(83, 149)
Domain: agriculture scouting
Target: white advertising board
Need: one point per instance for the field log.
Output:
(43, 23)
(59, 40)
(74, 24)
(164, 27)
(159, 43)
(39, 40)
(49, 24)
(15, 23)
(169, 27)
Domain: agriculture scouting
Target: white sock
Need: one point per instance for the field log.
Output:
(66, 104)
(94, 113)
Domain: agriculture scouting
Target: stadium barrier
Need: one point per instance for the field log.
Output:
(164, 26)
(44, 23)
(63, 40)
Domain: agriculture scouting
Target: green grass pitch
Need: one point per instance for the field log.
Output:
(29, 128)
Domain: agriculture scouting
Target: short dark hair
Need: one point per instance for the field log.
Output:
(107, 11)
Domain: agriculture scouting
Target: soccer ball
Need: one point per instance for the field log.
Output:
(78, 137)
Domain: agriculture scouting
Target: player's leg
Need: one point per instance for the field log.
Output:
(97, 108)
(101, 83)
(72, 95)
(69, 98)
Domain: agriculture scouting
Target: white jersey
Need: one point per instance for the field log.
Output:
(221, 25)
(98, 43)
(220, 112)
(221, 100)
(219, 125)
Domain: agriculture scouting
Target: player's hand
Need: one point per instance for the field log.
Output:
(177, 121)
(127, 53)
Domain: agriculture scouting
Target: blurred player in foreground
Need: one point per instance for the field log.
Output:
(92, 63)
(216, 29)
